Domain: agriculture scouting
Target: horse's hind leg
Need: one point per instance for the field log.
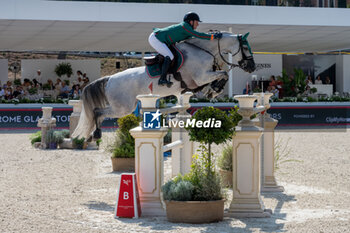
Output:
(99, 115)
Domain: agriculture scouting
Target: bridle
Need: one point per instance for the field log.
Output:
(231, 65)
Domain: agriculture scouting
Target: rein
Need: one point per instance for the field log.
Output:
(196, 46)
(227, 62)
(232, 65)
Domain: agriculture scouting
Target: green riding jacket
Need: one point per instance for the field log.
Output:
(179, 32)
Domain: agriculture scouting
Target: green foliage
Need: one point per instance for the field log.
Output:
(47, 86)
(124, 144)
(293, 86)
(178, 189)
(211, 135)
(65, 133)
(300, 81)
(67, 82)
(257, 90)
(64, 68)
(225, 160)
(33, 91)
(35, 137)
(313, 90)
(128, 122)
(196, 185)
(98, 142)
(54, 136)
(204, 178)
(17, 82)
(58, 136)
(167, 137)
(78, 143)
(234, 116)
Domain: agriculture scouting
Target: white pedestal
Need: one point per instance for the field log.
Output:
(149, 169)
(74, 117)
(246, 200)
(181, 158)
(270, 184)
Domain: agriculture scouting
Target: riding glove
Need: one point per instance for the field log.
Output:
(217, 35)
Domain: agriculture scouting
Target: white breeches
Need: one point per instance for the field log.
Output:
(159, 46)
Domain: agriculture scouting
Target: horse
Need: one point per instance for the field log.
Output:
(204, 68)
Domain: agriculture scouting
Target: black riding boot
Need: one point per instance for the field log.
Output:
(163, 77)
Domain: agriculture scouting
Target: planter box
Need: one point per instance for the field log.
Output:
(195, 211)
(226, 178)
(123, 164)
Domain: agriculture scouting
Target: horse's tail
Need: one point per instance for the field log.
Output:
(93, 97)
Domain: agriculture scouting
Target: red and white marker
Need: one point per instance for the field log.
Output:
(128, 201)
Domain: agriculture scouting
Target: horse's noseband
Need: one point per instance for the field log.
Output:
(247, 64)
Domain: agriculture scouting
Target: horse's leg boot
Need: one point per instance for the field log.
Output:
(163, 80)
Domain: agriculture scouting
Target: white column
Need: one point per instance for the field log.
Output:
(270, 184)
(246, 199)
(181, 158)
(149, 169)
(268, 146)
(74, 117)
(46, 123)
(149, 161)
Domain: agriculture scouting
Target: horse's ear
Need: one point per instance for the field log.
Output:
(245, 36)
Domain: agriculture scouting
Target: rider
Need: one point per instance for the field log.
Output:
(161, 38)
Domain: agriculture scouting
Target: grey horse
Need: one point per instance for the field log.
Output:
(205, 68)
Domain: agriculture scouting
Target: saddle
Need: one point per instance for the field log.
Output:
(159, 59)
(154, 64)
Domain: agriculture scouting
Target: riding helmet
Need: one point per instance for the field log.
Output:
(191, 16)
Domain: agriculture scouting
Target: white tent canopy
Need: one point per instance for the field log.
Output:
(104, 26)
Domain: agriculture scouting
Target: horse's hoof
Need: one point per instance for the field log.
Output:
(97, 134)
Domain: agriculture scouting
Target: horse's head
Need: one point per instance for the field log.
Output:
(240, 49)
(247, 61)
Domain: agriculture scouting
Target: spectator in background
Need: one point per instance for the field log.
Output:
(275, 91)
(58, 84)
(8, 84)
(64, 91)
(307, 91)
(86, 82)
(80, 81)
(27, 84)
(38, 77)
(328, 80)
(247, 90)
(79, 77)
(8, 93)
(75, 92)
(2, 92)
(49, 85)
(36, 84)
(18, 92)
(309, 80)
(272, 81)
(318, 80)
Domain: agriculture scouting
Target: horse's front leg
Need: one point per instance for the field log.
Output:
(211, 76)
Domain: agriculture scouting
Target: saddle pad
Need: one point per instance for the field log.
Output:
(154, 71)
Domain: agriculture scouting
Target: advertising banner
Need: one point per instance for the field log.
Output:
(26, 117)
(317, 115)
